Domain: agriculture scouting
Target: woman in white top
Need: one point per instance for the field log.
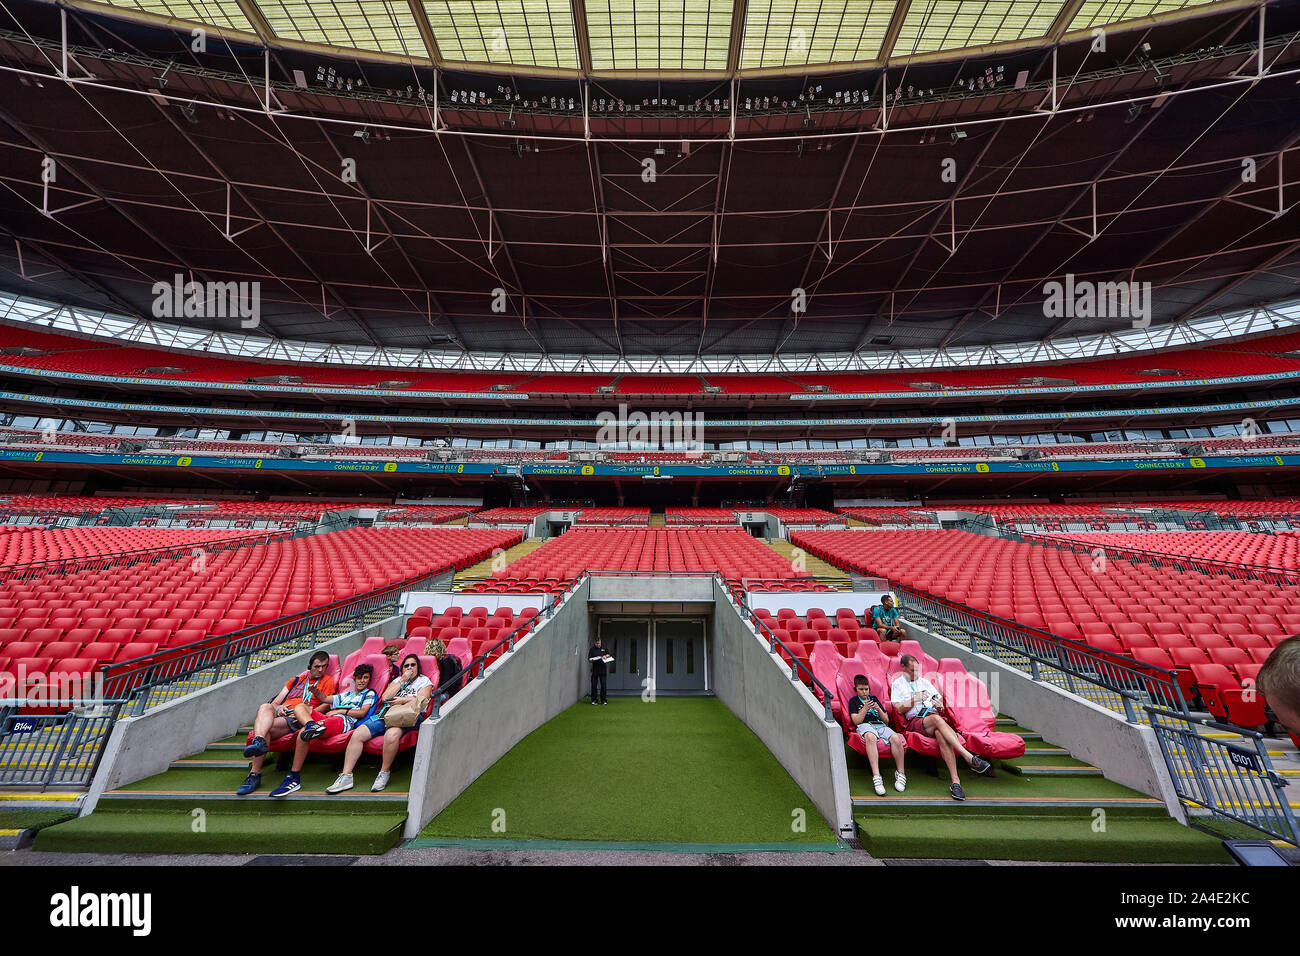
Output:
(410, 685)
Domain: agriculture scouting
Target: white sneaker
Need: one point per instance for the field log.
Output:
(381, 781)
(879, 784)
(344, 782)
(900, 781)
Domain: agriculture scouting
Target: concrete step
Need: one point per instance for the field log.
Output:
(480, 572)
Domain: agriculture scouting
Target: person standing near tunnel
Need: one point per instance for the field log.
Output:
(599, 658)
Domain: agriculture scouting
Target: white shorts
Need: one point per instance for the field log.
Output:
(881, 732)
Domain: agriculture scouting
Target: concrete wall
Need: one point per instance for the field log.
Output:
(756, 686)
(479, 725)
(636, 588)
(142, 746)
(1126, 753)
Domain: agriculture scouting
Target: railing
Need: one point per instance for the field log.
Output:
(129, 688)
(1178, 562)
(489, 656)
(1044, 656)
(752, 584)
(124, 559)
(1231, 781)
(797, 666)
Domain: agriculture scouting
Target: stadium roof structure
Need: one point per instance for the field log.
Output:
(656, 37)
(895, 203)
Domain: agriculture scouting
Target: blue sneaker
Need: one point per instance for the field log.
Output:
(292, 784)
(251, 783)
(313, 730)
(257, 748)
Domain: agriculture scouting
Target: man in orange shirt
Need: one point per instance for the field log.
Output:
(287, 713)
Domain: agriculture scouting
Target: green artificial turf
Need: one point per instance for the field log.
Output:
(32, 819)
(1002, 784)
(1072, 838)
(179, 831)
(317, 774)
(678, 770)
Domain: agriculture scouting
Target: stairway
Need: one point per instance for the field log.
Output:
(478, 573)
(657, 520)
(825, 573)
(192, 808)
(1045, 805)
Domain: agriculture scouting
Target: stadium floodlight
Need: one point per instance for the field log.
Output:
(363, 135)
(957, 135)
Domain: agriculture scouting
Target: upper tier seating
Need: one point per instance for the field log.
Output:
(699, 516)
(803, 515)
(620, 516)
(665, 550)
(509, 515)
(427, 514)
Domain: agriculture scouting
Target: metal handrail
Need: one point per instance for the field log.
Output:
(1228, 780)
(115, 559)
(1118, 674)
(1133, 681)
(796, 665)
(171, 664)
(466, 674)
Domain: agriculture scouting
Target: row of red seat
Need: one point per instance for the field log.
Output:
(31, 545)
(175, 601)
(1155, 616)
(659, 550)
(1237, 547)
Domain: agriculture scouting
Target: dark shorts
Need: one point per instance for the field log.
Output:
(917, 725)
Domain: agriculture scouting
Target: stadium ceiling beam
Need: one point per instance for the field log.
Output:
(426, 31)
(1030, 194)
(1227, 287)
(1069, 10)
(288, 246)
(401, 250)
(577, 10)
(934, 224)
(1209, 206)
(504, 246)
(44, 147)
(890, 39)
(261, 26)
(57, 260)
(1115, 157)
(711, 262)
(602, 227)
(736, 45)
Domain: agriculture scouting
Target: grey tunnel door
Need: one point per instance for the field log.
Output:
(679, 656)
(629, 641)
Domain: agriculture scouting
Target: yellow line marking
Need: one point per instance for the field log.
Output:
(38, 797)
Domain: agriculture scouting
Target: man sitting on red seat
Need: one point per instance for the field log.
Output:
(885, 618)
(919, 703)
(871, 717)
(286, 713)
(344, 712)
(1279, 681)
